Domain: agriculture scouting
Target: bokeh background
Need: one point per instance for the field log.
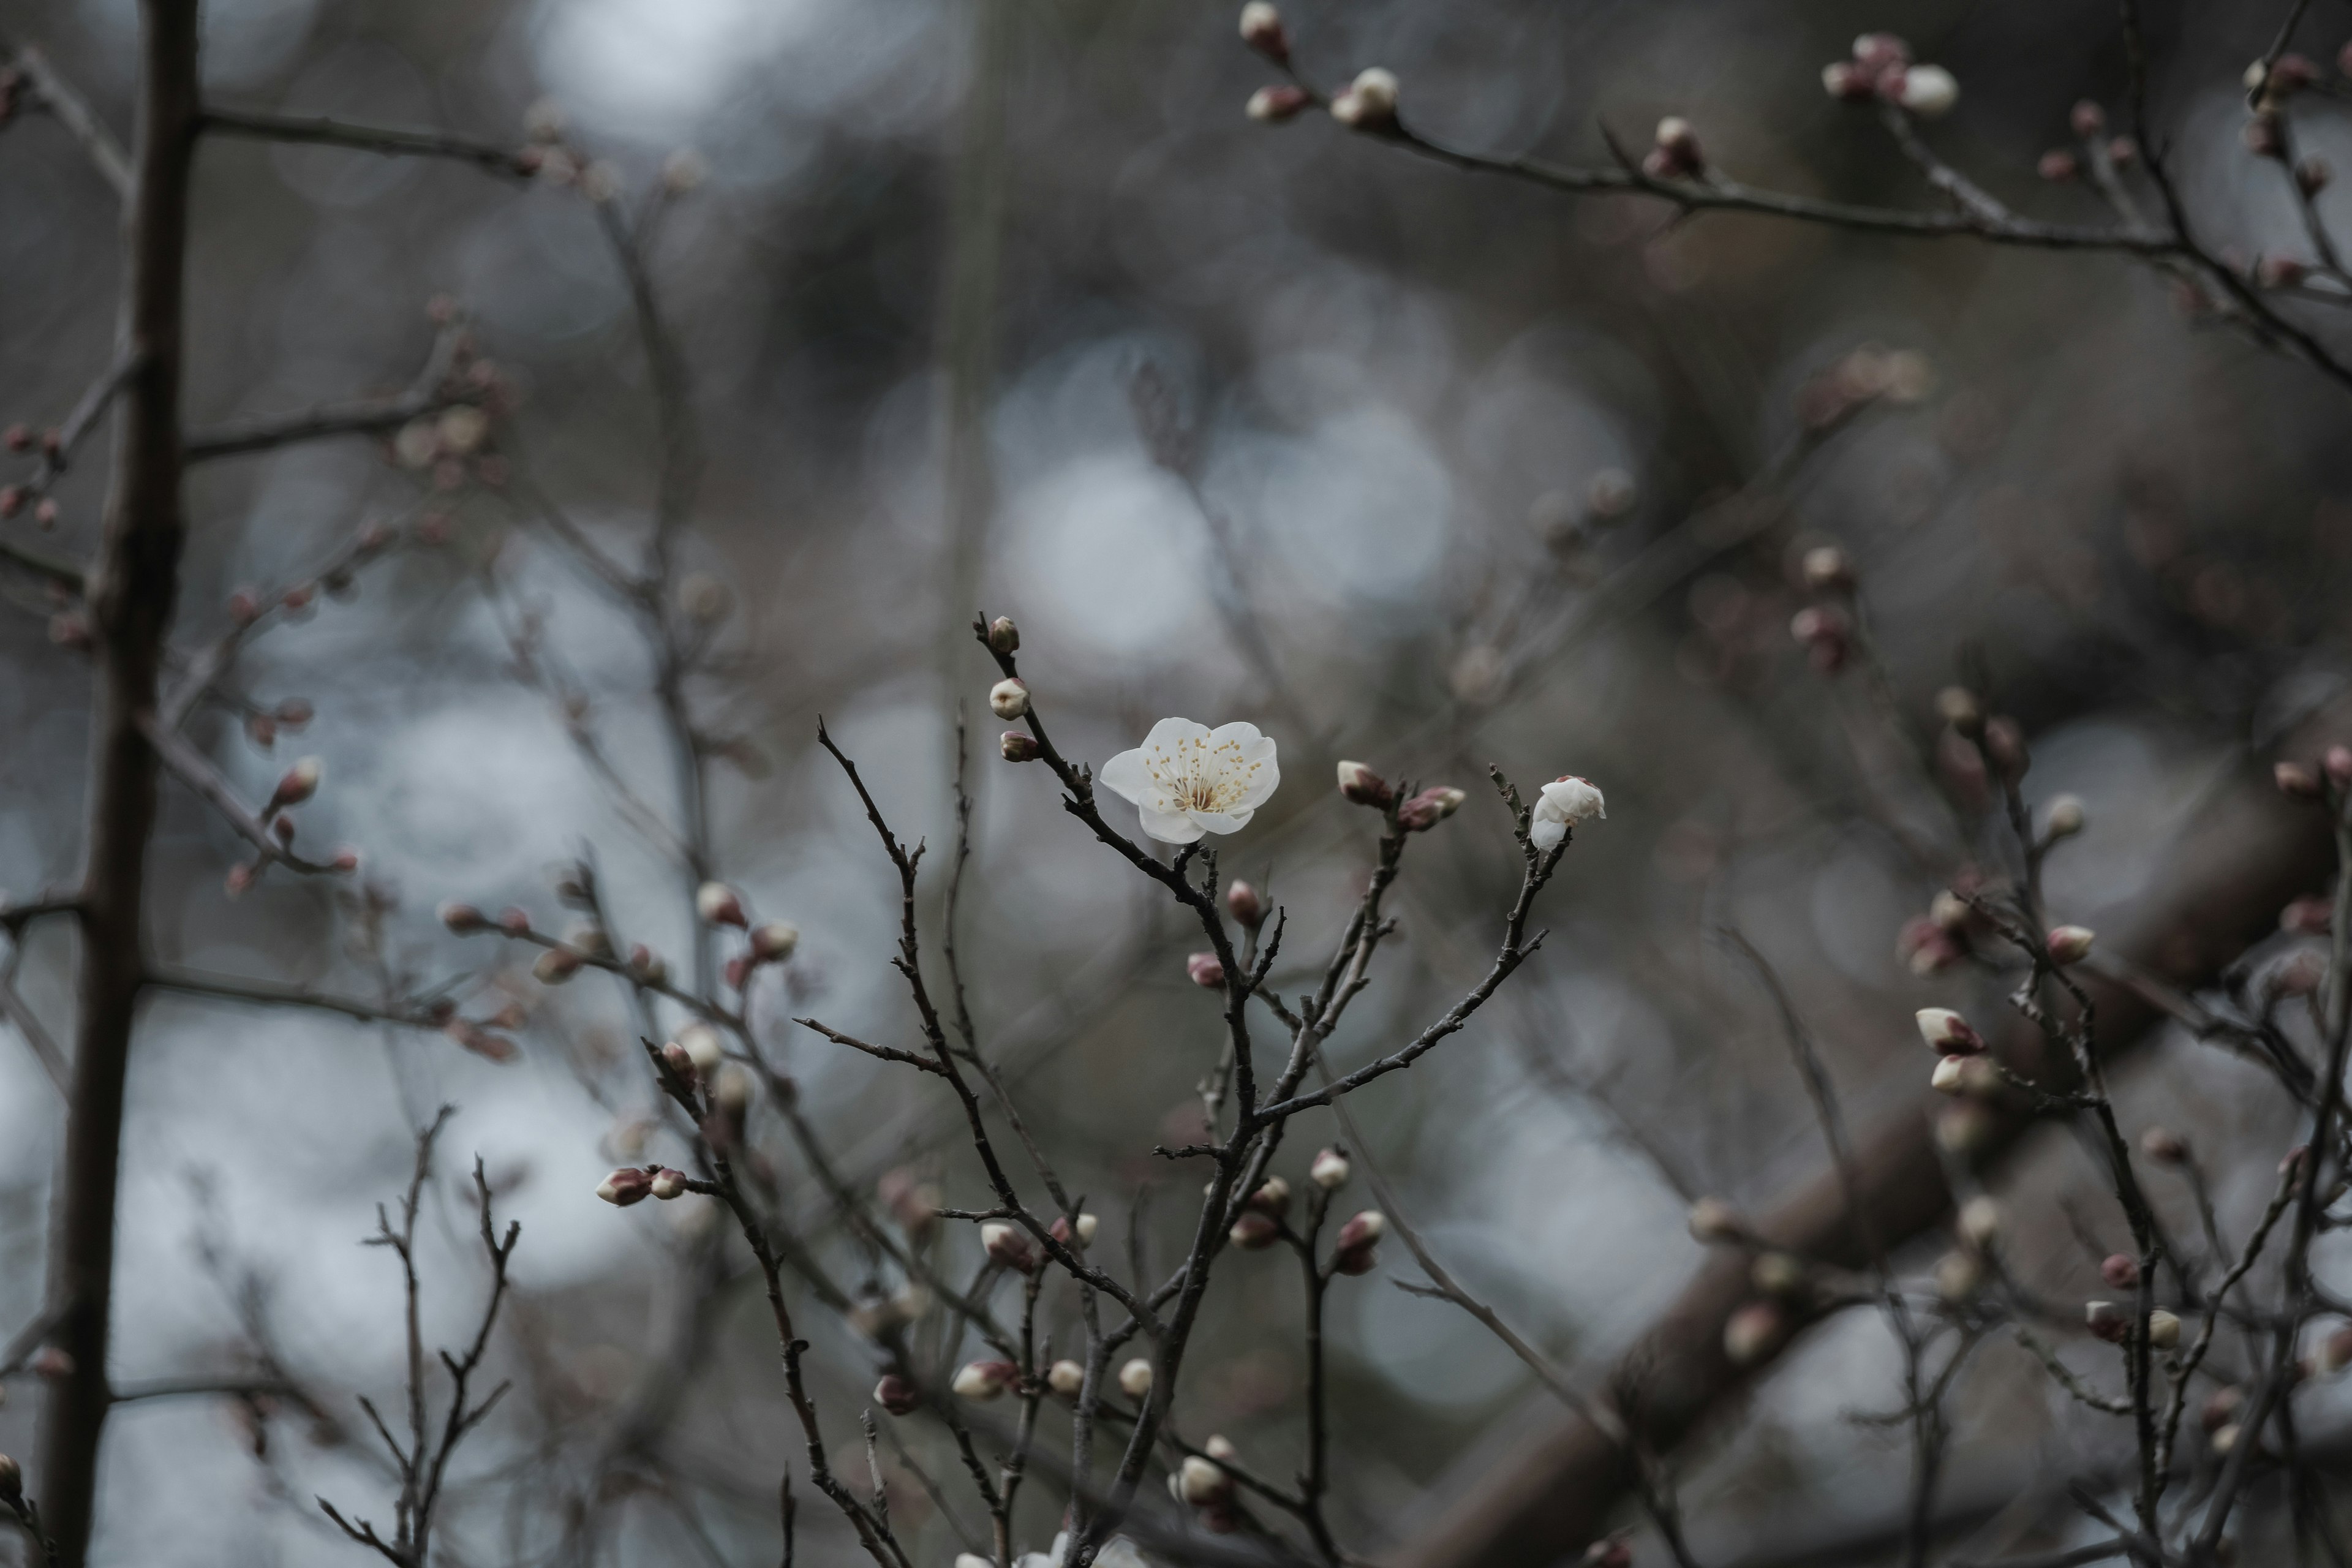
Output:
(1428, 419)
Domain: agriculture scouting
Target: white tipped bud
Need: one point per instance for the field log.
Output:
(1946, 1031)
(1330, 1170)
(2066, 817)
(300, 782)
(1008, 1246)
(718, 905)
(1980, 1221)
(1274, 104)
(1370, 103)
(2071, 944)
(668, 1184)
(984, 1380)
(555, 966)
(1202, 1482)
(1949, 1076)
(1135, 1378)
(1929, 91)
(2163, 1329)
(1359, 785)
(1751, 1332)
(731, 1088)
(1221, 1449)
(1713, 1220)
(1009, 699)
(1088, 1225)
(1065, 1378)
(773, 942)
(1958, 1274)
(626, 1187)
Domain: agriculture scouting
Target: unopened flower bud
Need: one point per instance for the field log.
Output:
(1009, 1245)
(1843, 81)
(299, 783)
(1359, 785)
(2225, 1437)
(1003, 637)
(1751, 1332)
(626, 1187)
(1674, 153)
(2065, 818)
(730, 1090)
(668, 1184)
(1948, 1076)
(1065, 1378)
(1009, 699)
(2295, 780)
(1778, 1274)
(2004, 745)
(1826, 570)
(1205, 971)
(1980, 1221)
(674, 1058)
(1203, 1482)
(1242, 902)
(1273, 1197)
(1262, 30)
(718, 905)
(896, 1394)
(1135, 1378)
(1019, 746)
(2164, 1146)
(1429, 807)
(1088, 1224)
(702, 1047)
(2313, 175)
(1928, 92)
(1958, 1274)
(1369, 102)
(1946, 1031)
(463, 919)
(555, 966)
(2087, 119)
(1713, 1220)
(2163, 1329)
(984, 1380)
(1253, 1232)
(773, 942)
(1330, 1170)
(2070, 945)
(1958, 707)
(1274, 105)
(2107, 1321)
(2120, 1272)
(514, 922)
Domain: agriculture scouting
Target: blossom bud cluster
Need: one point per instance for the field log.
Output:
(1882, 70)
(1674, 151)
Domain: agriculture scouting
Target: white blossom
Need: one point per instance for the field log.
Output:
(1187, 779)
(1566, 801)
(1929, 91)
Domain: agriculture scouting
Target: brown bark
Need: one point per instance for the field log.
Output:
(2218, 892)
(131, 590)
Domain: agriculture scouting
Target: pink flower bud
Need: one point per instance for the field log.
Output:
(1009, 699)
(1242, 901)
(1826, 570)
(1254, 1231)
(1262, 30)
(2120, 1272)
(555, 966)
(1273, 1198)
(1750, 1334)
(2164, 1146)
(1274, 105)
(2338, 765)
(1429, 807)
(2070, 945)
(668, 1184)
(1946, 1031)
(1358, 1240)
(626, 1187)
(2057, 165)
(1009, 1245)
(1359, 785)
(2295, 780)
(718, 905)
(1848, 83)
(463, 919)
(1003, 637)
(1926, 947)
(1330, 1170)
(1019, 746)
(2087, 119)
(896, 1394)
(674, 1058)
(2107, 1320)
(2004, 745)
(1369, 102)
(1206, 972)
(514, 922)
(773, 942)
(299, 783)
(647, 965)
(1674, 153)
(1614, 1552)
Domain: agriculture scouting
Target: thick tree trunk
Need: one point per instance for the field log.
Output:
(131, 590)
(2218, 893)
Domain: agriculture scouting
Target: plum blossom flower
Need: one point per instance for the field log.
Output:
(1566, 801)
(1187, 779)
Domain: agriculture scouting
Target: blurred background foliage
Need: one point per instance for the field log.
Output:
(1420, 422)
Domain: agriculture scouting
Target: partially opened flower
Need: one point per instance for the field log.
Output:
(1566, 802)
(1187, 779)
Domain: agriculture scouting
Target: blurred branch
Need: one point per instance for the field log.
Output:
(59, 446)
(192, 768)
(272, 993)
(360, 417)
(71, 109)
(388, 140)
(44, 1046)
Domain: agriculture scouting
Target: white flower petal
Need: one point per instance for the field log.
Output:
(1222, 821)
(1544, 832)
(1130, 776)
(1168, 826)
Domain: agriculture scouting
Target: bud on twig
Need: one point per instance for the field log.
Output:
(1262, 30)
(1712, 1220)
(1205, 971)
(1009, 699)
(1274, 105)
(2120, 1272)
(1203, 1482)
(1359, 785)
(1928, 92)
(1750, 1333)
(896, 1394)
(1778, 1274)
(1946, 1031)
(719, 905)
(1008, 1246)
(674, 1058)
(1674, 153)
(1369, 102)
(1065, 1378)
(463, 919)
(1241, 903)
(1135, 1378)
(1429, 807)
(1003, 637)
(555, 966)
(2163, 1329)
(1088, 1225)
(2164, 1146)
(984, 1380)
(773, 942)
(668, 1184)
(1330, 1170)
(1948, 1076)
(2107, 1321)
(299, 785)
(2295, 780)
(1254, 1232)
(1019, 746)
(626, 1187)
(2004, 745)
(2070, 945)
(1359, 1240)
(2065, 818)
(1273, 1197)
(1980, 1221)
